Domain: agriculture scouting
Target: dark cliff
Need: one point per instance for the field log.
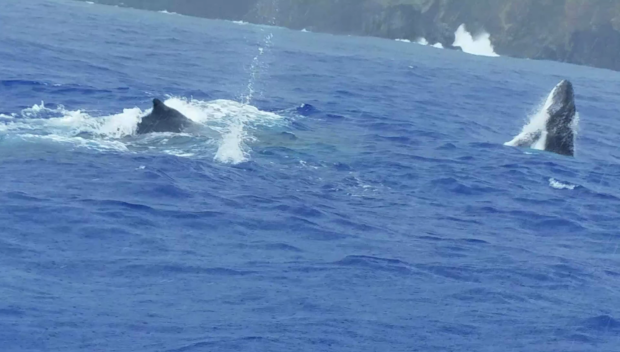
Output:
(585, 32)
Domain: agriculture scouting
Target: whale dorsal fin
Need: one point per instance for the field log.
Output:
(158, 104)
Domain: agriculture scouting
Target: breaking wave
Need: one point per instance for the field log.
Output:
(560, 185)
(227, 128)
(479, 44)
(169, 13)
(422, 41)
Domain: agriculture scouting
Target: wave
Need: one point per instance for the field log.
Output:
(227, 129)
(422, 41)
(169, 13)
(560, 185)
(479, 44)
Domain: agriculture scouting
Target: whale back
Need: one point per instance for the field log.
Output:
(163, 119)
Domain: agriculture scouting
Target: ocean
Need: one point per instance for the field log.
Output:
(343, 194)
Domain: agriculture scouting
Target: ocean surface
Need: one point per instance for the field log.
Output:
(342, 194)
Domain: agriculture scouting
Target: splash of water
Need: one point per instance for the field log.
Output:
(225, 123)
(479, 45)
(231, 120)
(232, 147)
(534, 132)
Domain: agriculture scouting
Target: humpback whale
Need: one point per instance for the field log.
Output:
(552, 128)
(163, 119)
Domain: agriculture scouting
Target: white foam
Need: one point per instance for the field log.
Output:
(231, 120)
(479, 45)
(179, 153)
(403, 40)
(232, 149)
(422, 41)
(559, 185)
(243, 23)
(65, 126)
(118, 125)
(34, 110)
(169, 13)
(305, 31)
(219, 110)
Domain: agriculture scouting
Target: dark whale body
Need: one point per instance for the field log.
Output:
(560, 135)
(163, 119)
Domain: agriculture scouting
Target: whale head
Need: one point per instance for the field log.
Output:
(562, 98)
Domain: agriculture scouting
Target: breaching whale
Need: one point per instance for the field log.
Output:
(163, 119)
(552, 129)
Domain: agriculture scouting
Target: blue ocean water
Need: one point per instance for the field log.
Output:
(345, 194)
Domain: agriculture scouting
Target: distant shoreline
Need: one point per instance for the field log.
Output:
(513, 28)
